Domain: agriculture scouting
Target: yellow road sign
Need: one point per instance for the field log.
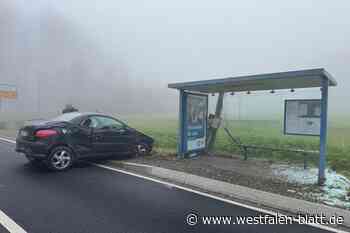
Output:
(8, 91)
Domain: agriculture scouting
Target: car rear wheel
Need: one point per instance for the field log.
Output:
(60, 159)
(142, 149)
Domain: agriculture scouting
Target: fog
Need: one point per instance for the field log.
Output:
(119, 56)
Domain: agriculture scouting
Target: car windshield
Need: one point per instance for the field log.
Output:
(66, 116)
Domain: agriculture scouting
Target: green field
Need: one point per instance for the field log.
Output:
(255, 132)
(264, 133)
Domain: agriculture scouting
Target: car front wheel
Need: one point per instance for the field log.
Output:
(142, 149)
(60, 159)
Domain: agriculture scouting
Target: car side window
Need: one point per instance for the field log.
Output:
(89, 123)
(106, 123)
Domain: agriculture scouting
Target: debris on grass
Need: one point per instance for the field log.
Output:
(333, 193)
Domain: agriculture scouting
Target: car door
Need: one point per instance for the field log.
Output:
(81, 138)
(110, 136)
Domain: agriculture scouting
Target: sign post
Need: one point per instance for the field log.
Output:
(7, 92)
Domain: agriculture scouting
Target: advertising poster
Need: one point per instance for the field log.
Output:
(196, 121)
(302, 117)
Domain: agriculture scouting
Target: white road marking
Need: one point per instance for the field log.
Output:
(7, 140)
(9, 224)
(137, 164)
(200, 193)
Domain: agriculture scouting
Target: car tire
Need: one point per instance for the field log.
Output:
(61, 158)
(142, 149)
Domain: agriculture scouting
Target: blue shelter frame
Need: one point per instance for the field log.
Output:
(273, 81)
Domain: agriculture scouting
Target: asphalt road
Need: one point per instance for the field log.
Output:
(90, 199)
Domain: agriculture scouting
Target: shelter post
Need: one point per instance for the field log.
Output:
(218, 111)
(181, 131)
(323, 131)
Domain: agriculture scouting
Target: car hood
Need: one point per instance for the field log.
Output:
(142, 135)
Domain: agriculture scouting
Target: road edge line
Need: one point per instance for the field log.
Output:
(7, 140)
(9, 224)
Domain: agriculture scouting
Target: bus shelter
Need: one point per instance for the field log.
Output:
(193, 107)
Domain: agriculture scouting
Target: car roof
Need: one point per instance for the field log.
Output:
(94, 114)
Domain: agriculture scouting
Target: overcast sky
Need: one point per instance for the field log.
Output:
(161, 41)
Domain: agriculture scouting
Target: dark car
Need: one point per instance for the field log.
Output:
(71, 136)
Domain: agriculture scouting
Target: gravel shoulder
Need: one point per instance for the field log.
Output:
(257, 174)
